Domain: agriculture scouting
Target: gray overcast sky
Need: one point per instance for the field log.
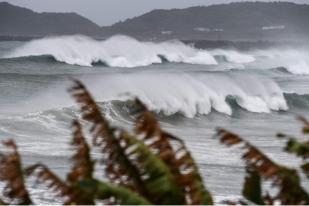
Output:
(107, 12)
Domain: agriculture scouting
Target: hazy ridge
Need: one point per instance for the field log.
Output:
(235, 21)
(18, 21)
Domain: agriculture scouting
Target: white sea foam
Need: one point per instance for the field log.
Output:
(171, 93)
(117, 51)
(192, 95)
(295, 61)
(124, 51)
(234, 56)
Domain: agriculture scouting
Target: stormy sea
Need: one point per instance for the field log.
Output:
(255, 93)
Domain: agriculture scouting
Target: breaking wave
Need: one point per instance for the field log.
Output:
(121, 110)
(172, 93)
(117, 51)
(57, 120)
(233, 56)
(121, 51)
(294, 61)
(124, 51)
(191, 96)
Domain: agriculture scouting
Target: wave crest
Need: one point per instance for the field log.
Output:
(192, 95)
(117, 51)
(234, 56)
(171, 93)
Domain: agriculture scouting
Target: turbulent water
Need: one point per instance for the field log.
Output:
(255, 93)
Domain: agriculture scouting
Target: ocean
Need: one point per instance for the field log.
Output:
(255, 93)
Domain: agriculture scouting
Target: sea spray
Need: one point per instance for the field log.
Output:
(234, 56)
(171, 93)
(294, 61)
(124, 51)
(117, 51)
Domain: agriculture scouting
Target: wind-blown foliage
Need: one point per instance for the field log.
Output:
(300, 149)
(150, 166)
(252, 189)
(12, 173)
(83, 165)
(117, 165)
(53, 182)
(179, 160)
(2, 202)
(118, 195)
(285, 179)
(129, 161)
(76, 188)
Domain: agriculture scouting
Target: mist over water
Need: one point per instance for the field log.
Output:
(255, 93)
(124, 51)
(118, 51)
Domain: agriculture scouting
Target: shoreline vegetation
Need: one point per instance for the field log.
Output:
(149, 166)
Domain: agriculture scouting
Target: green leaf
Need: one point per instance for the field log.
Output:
(160, 183)
(129, 161)
(122, 195)
(300, 149)
(286, 180)
(118, 166)
(198, 192)
(252, 189)
(2, 202)
(173, 152)
(11, 172)
(305, 168)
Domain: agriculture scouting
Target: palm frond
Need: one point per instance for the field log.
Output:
(149, 130)
(73, 193)
(158, 180)
(285, 179)
(83, 165)
(118, 167)
(179, 160)
(252, 189)
(294, 146)
(89, 189)
(252, 155)
(129, 162)
(190, 178)
(2, 202)
(112, 194)
(300, 149)
(11, 172)
(305, 123)
(305, 168)
(80, 178)
(52, 181)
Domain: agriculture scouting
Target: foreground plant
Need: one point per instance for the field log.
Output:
(286, 181)
(155, 168)
(150, 166)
